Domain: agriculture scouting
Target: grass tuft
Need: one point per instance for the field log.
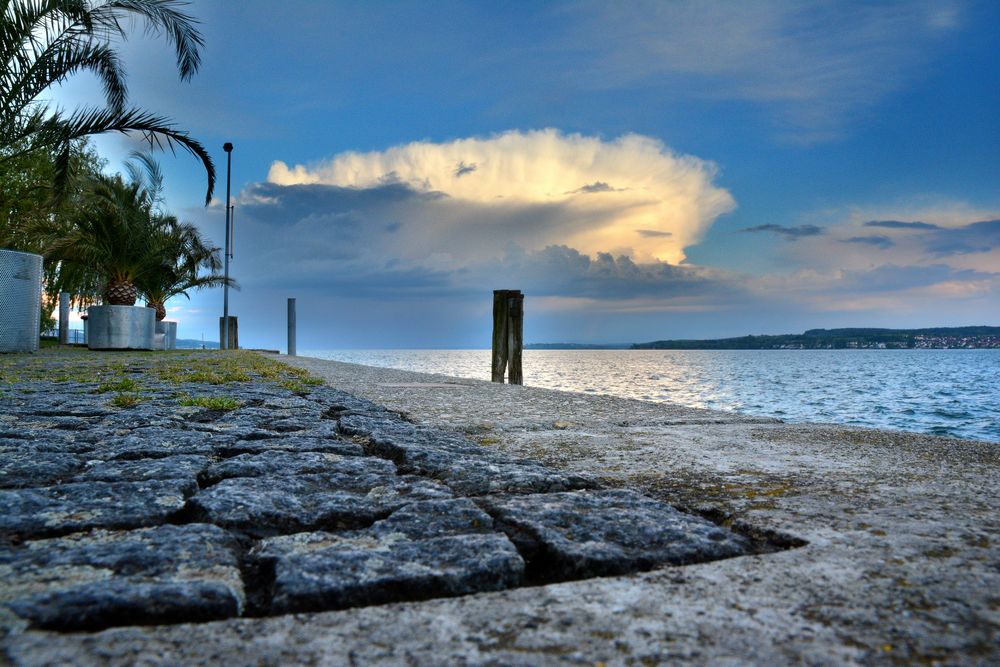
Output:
(223, 403)
(122, 385)
(125, 400)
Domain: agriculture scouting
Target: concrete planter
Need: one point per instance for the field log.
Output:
(170, 330)
(120, 327)
(165, 337)
(20, 300)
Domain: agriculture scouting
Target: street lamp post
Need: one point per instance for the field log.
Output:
(228, 147)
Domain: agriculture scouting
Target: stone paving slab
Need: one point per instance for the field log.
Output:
(291, 443)
(68, 508)
(262, 506)
(281, 463)
(427, 549)
(24, 468)
(39, 440)
(159, 441)
(464, 466)
(598, 533)
(89, 581)
(181, 466)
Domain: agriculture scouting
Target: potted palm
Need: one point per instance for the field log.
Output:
(109, 245)
(187, 263)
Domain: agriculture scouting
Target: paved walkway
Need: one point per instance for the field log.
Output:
(858, 545)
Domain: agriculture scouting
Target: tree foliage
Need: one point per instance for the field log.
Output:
(44, 42)
(119, 232)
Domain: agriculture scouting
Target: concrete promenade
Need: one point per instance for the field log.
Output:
(525, 526)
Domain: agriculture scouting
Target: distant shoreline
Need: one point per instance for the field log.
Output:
(974, 337)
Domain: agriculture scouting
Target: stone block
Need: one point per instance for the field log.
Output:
(26, 468)
(68, 508)
(182, 466)
(265, 506)
(427, 549)
(595, 533)
(278, 463)
(292, 443)
(104, 578)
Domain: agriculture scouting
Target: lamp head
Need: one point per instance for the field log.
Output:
(228, 147)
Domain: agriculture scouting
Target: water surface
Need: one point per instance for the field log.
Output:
(944, 392)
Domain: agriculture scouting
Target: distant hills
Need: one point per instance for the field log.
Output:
(836, 339)
(577, 346)
(195, 344)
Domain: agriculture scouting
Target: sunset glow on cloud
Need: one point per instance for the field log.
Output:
(631, 196)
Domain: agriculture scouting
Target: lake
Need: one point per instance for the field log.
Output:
(944, 392)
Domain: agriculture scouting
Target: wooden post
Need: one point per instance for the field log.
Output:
(508, 335)
(515, 336)
(499, 334)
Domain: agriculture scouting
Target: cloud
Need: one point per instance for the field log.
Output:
(897, 224)
(524, 190)
(596, 186)
(652, 233)
(815, 64)
(977, 237)
(461, 169)
(790, 233)
(562, 271)
(877, 241)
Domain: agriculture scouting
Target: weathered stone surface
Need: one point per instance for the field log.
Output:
(341, 404)
(435, 518)
(292, 443)
(262, 506)
(69, 508)
(183, 466)
(467, 468)
(281, 463)
(156, 442)
(89, 581)
(38, 440)
(21, 469)
(596, 533)
(427, 549)
(61, 404)
(474, 475)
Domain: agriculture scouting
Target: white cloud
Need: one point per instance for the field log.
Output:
(631, 196)
(918, 232)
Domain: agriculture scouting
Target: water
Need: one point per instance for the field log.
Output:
(944, 392)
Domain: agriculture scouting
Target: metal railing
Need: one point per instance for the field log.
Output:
(75, 335)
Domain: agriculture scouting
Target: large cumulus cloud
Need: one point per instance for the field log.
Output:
(631, 196)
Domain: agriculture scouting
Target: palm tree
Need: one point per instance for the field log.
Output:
(109, 243)
(44, 42)
(183, 254)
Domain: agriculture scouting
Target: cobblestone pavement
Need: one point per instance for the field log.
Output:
(131, 499)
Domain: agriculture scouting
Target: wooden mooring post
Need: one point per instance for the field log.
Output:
(508, 335)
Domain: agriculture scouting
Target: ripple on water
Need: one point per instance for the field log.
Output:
(949, 392)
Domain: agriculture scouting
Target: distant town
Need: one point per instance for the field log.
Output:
(936, 338)
(845, 339)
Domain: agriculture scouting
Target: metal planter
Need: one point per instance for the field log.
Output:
(20, 300)
(120, 327)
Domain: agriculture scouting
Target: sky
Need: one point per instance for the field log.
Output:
(640, 170)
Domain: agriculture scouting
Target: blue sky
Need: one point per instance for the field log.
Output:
(639, 170)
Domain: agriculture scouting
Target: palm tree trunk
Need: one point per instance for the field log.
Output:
(121, 293)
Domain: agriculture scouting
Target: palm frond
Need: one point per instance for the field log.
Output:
(56, 130)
